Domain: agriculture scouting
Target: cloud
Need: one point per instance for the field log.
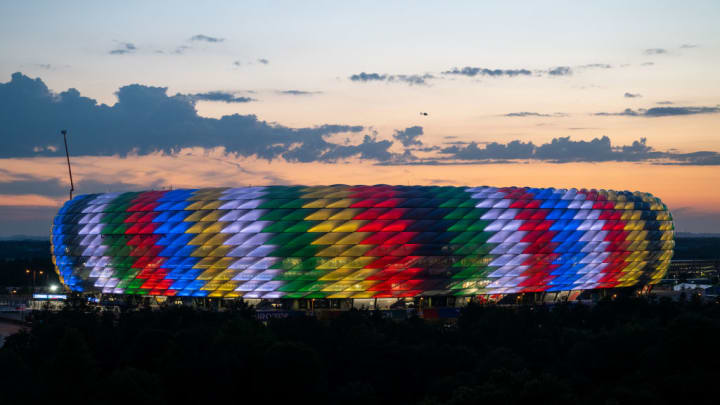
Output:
(664, 102)
(688, 46)
(181, 49)
(263, 61)
(564, 150)
(125, 47)
(560, 71)
(595, 66)
(409, 136)
(655, 51)
(647, 64)
(220, 96)
(655, 112)
(298, 92)
(631, 95)
(205, 38)
(478, 71)
(146, 119)
(378, 77)
(524, 114)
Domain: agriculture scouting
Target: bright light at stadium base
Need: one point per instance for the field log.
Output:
(360, 241)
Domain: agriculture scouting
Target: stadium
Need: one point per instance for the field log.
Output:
(361, 242)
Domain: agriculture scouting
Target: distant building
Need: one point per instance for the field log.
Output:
(361, 242)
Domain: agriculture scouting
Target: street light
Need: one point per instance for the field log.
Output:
(53, 287)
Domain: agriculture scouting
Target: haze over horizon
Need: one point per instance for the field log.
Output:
(610, 95)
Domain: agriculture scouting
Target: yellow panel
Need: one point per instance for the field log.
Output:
(349, 226)
(229, 286)
(209, 274)
(223, 262)
(321, 203)
(341, 294)
(195, 206)
(347, 214)
(340, 194)
(357, 250)
(196, 216)
(354, 238)
(339, 286)
(200, 239)
(234, 294)
(632, 236)
(226, 275)
(325, 226)
(639, 225)
(636, 215)
(218, 239)
(630, 225)
(320, 215)
(220, 251)
(625, 216)
(360, 262)
(205, 263)
(333, 251)
(215, 227)
(203, 251)
(213, 215)
(329, 238)
(362, 274)
(338, 274)
(213, 205)
(344, 203)
(216, 294)
(334, 263)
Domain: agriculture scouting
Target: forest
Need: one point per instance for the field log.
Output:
(622, 350)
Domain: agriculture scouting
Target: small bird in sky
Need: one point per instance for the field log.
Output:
(424, 113)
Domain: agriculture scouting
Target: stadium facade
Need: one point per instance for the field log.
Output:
(356, 242)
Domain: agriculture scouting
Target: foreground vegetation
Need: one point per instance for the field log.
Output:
(621, 351)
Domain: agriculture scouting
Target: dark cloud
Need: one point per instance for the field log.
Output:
(564, 149)
(655, 51)
(409, 136)
(632, 95)
(378, 77)
(523, 114)
(220, 96)
(146, 119)
(298, 92)
(263, 61)
(662, 112)
(205, 38)
(478, 71)
(125, 47)
(560, 71)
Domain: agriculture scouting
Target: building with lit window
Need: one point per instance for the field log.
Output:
(353, 242)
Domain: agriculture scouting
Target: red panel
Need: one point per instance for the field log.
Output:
(398, 225)
(372, 213)
(395, 213)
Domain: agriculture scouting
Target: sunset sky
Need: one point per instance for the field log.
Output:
(617, 95)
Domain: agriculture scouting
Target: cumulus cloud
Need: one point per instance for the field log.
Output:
(471, 71)
(409, 136)
(662, 111)
(124, 48)
(378, 77)
(146, 119)
(655, 51)
(632, 95)
(205, 38)
(223, 96)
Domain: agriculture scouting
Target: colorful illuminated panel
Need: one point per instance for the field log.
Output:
(360, 241)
